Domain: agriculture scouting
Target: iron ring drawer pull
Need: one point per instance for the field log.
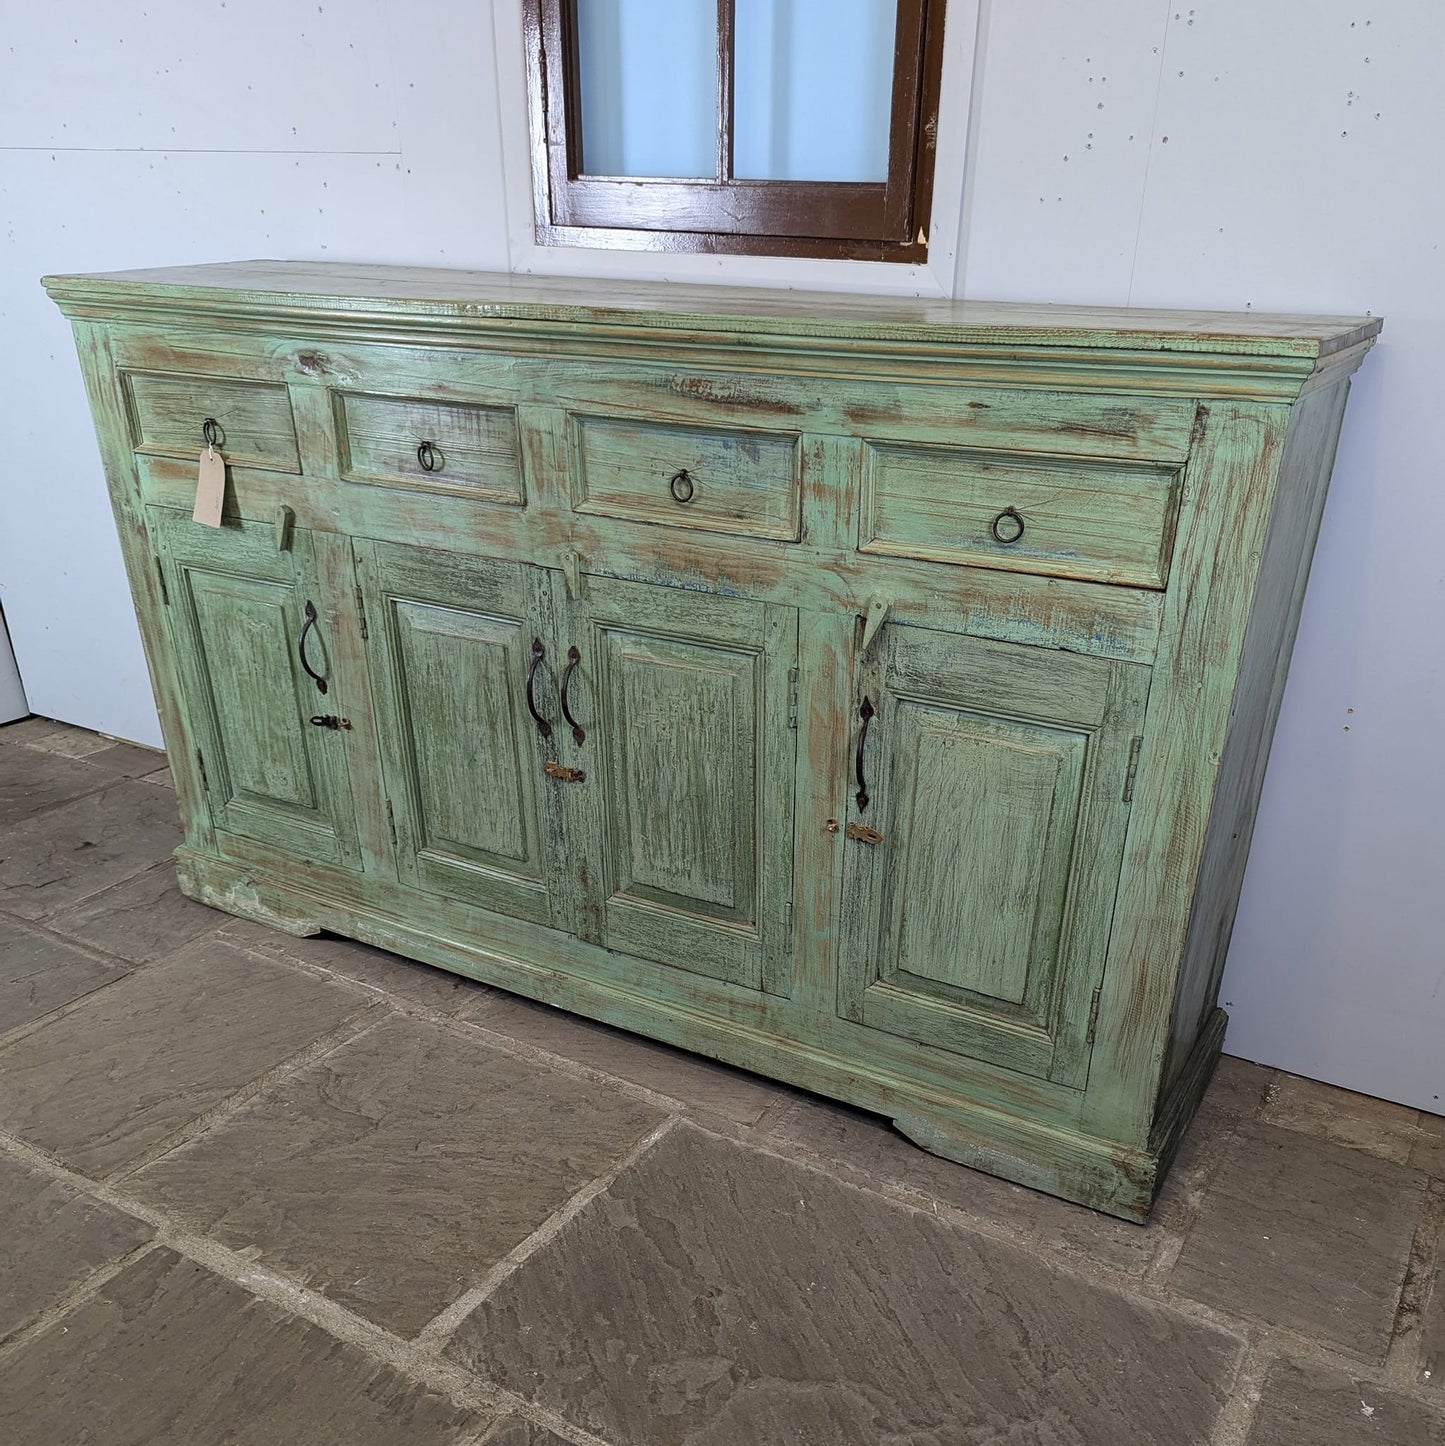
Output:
(538, 653)
(682, 486)
(212, 433)
(573, 658)
(866, 714)
(1008, 526)
(301, 647)
(431, 460)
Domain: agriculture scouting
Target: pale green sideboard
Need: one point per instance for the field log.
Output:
(873, 693)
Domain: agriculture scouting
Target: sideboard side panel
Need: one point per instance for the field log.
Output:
(1223, 526)
(1273, 621)
(113, 433)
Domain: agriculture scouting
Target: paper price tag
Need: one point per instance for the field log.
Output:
(210, 488)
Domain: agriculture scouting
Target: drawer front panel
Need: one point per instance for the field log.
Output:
(709, 479)
(438, 446)
(254, 420)
(1063, 516)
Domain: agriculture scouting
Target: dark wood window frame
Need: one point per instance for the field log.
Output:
(883, 221)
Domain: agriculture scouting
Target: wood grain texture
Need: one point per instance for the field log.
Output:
(1283, 569)
(1014, 951)
(253, 419)
(1053, 516)
(355, 286)
(735, 481)
(471, 449)
(236, 605)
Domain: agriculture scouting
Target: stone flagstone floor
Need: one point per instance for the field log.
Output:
(256, 1189)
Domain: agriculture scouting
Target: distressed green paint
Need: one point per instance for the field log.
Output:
(693, 477)
(391, 440)
(1014, 951)
(253, 419)
(996, 780)
(1111, 522)
(448, 638)
(685, 701)
(236, 609)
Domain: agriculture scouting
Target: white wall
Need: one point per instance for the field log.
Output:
(1229, 154)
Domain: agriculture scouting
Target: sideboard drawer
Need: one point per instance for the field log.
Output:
(1104, 521)
(439, 446)
(254, 425)
(713, 479)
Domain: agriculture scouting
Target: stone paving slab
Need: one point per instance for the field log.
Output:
(1375, 1126)
(32, 782)
(393, 1173)
(52, 1238)
(140, 919)
(82, 847)
(518, 1431)
(1428, 1151)
(714, 1294)
(852, 1141)
(1432, 1348)
(406, 979)
(702, 1084)
(1307, 1235)
(168, 1354)
(133, 1063)
(38, 974)
(1311, 1406)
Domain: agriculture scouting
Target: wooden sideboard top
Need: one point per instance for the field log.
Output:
(435, 293)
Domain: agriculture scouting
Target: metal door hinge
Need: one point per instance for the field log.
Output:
(161, 578)
(391, 824)
(792, 697)
(1134, 748)
(360, 597)
(1093, 1016)
(788, 921)
(201, 765)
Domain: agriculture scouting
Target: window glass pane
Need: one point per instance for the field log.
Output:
(648, 70)
(812, 89)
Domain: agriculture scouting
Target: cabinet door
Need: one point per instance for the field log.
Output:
(980, 875)
(450, 645)
(686, 703)
(238, 607)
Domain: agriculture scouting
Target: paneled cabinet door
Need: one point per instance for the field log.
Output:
(243, 616)
(452, 641)
(982, 863)
(685, 703)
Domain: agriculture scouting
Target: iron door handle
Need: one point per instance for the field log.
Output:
(866, 714)
(538, 653)
(573, 658)
(301, 647)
